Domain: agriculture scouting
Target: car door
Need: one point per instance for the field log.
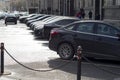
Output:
(107, 43)
(85, 36)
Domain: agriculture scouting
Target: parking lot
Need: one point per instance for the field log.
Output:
(34, 52)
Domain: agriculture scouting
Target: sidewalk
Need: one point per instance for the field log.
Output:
(20, 73)
(68, 72)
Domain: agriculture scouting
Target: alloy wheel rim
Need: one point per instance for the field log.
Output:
(65, 51)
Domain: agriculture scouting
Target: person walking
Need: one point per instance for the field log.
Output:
(78, 15)
(90, 14)
(82, 13)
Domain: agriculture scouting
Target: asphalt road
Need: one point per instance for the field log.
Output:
(34, 52)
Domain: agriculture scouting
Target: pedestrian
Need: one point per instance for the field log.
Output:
(78, 15)
(90, 14)
(82, 13)
(97, 16)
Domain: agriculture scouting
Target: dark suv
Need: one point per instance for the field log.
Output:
(98, 40)
(10, 18)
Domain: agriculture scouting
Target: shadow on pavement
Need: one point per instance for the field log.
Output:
(65, 65)
(45, 44)
(39, 38)
(88, 70)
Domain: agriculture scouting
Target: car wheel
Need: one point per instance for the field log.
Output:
(65, 51)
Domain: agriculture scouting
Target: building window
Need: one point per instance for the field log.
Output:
(107, 2)
(114, 2)
(117, 2)
(110, 2)
(88, 3)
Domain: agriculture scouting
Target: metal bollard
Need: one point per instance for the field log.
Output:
(79, 57)
(2, 58)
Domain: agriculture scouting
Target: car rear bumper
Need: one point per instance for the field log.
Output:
(53, 43)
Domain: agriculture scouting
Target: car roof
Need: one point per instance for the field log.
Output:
(61, 18)
(52, 20)
(95, 21)
(91, 21)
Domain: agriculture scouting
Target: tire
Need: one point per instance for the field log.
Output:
(65, 51)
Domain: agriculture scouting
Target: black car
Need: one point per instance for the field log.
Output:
(2, 16)
(34, 17)
(38, 27)
(10, 18)
(38, 19)
(23, 18)
(37, 23)
(48, 27)
(97, 38)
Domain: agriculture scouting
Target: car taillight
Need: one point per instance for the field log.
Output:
(53, 33)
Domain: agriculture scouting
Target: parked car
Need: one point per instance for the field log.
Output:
(2, 15)
(10, 18)
(38, 30)
(38, 19)
(38, 25)
(34, 24)
(33, 17)
(57, 24)
(98, 40)
(23, 18)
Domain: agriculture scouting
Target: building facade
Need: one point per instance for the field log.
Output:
(111, 9)
(32, 6)
(1, 5)
(106, 9)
